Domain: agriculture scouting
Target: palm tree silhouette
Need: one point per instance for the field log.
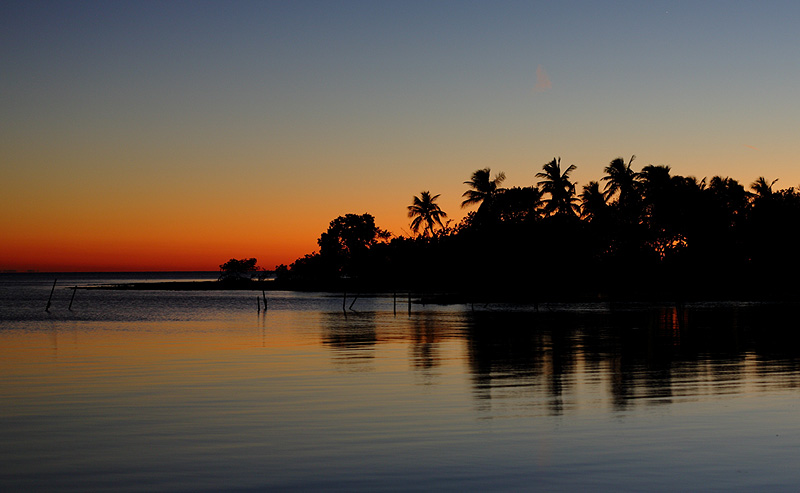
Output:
(658, 191)
(730, 197)
(655, 179)
(483, 188)
(593, 201)
(762, 189)
(623, 182)
(562, 199)
(425, 211)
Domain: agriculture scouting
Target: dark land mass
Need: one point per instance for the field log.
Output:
(631, 236)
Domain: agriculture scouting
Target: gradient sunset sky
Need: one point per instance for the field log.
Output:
(170, 135)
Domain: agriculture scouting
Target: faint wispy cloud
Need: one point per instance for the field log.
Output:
(751, 147)
(542, 80)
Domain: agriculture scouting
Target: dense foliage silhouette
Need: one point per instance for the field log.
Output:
(630, 235)
(238, 270)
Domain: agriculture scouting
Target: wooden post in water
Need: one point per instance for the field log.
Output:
(73, 297)
(409, 302)
(258, 304)
(344, 301)
(394, 302)
(265, 299)
(47, 308)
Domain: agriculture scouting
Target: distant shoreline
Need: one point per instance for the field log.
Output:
(188, 286)
(447, 297)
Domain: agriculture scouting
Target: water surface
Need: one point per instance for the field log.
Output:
(200, 391)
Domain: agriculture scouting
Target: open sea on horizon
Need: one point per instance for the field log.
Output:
(194, 391)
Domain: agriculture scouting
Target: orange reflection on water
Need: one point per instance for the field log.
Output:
(267, 398)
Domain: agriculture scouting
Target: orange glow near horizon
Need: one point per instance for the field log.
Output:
(110, 255)
(196, 238)
(151, 137)
(90, 227)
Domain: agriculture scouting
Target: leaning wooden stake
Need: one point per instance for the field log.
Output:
(265, 299)
(47, 308)
(258, 304)
(73, 297)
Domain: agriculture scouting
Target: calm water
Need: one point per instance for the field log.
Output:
(198, 391)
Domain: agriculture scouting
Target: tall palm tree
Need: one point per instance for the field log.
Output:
(730, 196)
(562, 199)
(425, 211)
(482, 188)
(762, 189)
(622, 181)
(658, 194)
(593, 201)
(655, 179)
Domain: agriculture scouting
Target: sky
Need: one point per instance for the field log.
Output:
(153, 135)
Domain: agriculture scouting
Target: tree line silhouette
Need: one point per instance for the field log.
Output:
(645, 234)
